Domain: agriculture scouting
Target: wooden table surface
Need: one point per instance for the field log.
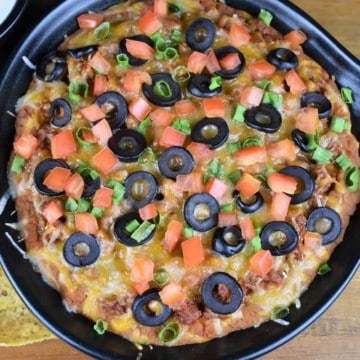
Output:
(336, 334)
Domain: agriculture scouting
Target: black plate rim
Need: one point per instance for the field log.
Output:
(13, 17)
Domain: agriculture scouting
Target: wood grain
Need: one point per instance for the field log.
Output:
(336, 334)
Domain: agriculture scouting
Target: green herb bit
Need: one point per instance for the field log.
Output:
(252, 141)
(347, 95)
(338, 124)
(256, 243)
(155, 36)
(182, 125)
(175, 8)
(162, 88)
(17, 164)
(143, 231)
(170, 332)
(216, 82)
(80, 140)
(77, 90)
(97, 212)
(84, 170)
(217, 169)
(171, 54)
(147, 157)
(161, 277)
(132, 226)
(265, 84)
(122, 60)
(272, 98)
(313, 141)
(187, 232)
(343, 161)
(324, 269)
(227, 208)
(239, 114)
(118, 194)
(84, 205)
(101, 326)
(205, 178)
(352, 178)
(176, 36)
(144, 125)
(102, 31)
(71, 205)
(265, 16)
(279, 312)
(322, 155)
(160, 47)
(234, 176)
(233, 147)
(160, 221)
(180, 74)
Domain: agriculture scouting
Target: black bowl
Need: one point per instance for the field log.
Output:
(13, 17)
(45, 302)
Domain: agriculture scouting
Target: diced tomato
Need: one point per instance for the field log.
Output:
(282, 183)
(230, 61)
(172, 235)
(103, 198)
(52, 212)
(228, 218)
(214, 107)
(294, 81)
(238, 35)
(100, 64)
(247, 228)
(134, 80)
(184, 107)
(193, 252)
(251, 96)
(141, 274)
(197, 62)
(212, 62)
(63, 144)
(89, 21)
(74, 186)
(139, 49)
(172, 137)
(248, 185)
(100, 85)
(279, 206)
(172, 293)
(56, 178)
(105, 160)
(312, 240)
(283, 150)
(148, 212)
(92, 112)
(86, 223)
(140, 287)
(162, 117)
(296, 37)
(260, 70)
(261, 262)
(88, 136)
(190, 182)
(161, 8)
(201, 153)
(149, 23)
(216, 188)
(250, 155)
(139, 108)
(102, 131)
(307, 120)
(25, 145)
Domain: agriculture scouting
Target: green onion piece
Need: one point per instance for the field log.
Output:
(171, 54)
(313, 141)
(155, 36)
(161, 277)
(232, 147)
(217, 169)
(160, 221)
(187, 232)
(352, 178)
(234, 176)
(239, 114)
(227, 208)
(174, 8)
(77, 90)
(324, 269)
(102, 31)
(86, 171)
(343, 161)
(265, 84)
(122, 60)
(160, 47)
(71, 205)
(182, 125)
(84, 205)
(101, 326)
(143, 231)
(279, 312)
(170, 332)
(252, 141)
(265, 16)
(119, 191)
(78, 135)
(205, 178)
(97, 212)
(17, 164)
(132, 226)
(162, 88)
(347, 95)
(338, 124)
(147, 157)
(144, 125)
(176, 36)
(180, 74)
(322, 155)
(272, 98)
(256, 243)
(216, 82)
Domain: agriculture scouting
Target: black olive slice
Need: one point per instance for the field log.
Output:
(326, 222)
(40, 172)
(213, 298)
(123, 236)
(200, 34)
(175, 161)
(283, 59)
(127, 144)
(263, 118)
(146, 306)
(141, 188)
(211, 131)
(163, 91)
(91, 185)
(83, 51)
(308, 183)
(51, 67)
(134, 61)
(300, 139)
(228, 241)
(249, 207)
(81, 249)
(115, 107)
(230, 74)
(318, 101)
(60, 112)
(201, 211)
(279, 237)
(199, 85)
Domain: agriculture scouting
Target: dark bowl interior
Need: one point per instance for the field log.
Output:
(46, 304)
(13, 17)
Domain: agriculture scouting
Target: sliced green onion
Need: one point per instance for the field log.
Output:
(265, 16)
(313, 141)
(17, 164)
(233, 147)
(144, 125)
(217, 169)
(347, 95)
(160, 47)
(161, 277)
(86, 171)
(119, 191)
(122, 60)
(343, 161)
(352, 178)
(256, 243)
(234, 176)
(239, 114)
(265, 84)
(97, 212)
(187, 232)
(71, 205)
(170, 332)
(272, 98)
(171, 54)
(215, 83)
(338, 124)
(77, 90)
(155, 36)
(205, 178)
(160, 221)
(147, 157)
(175, 8)
(324, 269)
(252, 141)
(132, 226)
(322, 155)
(84, 205)
(78, 135)
(182, 125)
(176, 36)
(162, 88)
(279, 312)
(181, 74)
(102, 31)
(227, 208)
(143, 231)
(101, 326)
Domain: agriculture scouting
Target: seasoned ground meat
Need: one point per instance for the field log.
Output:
(187, 312)
(112, 306)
